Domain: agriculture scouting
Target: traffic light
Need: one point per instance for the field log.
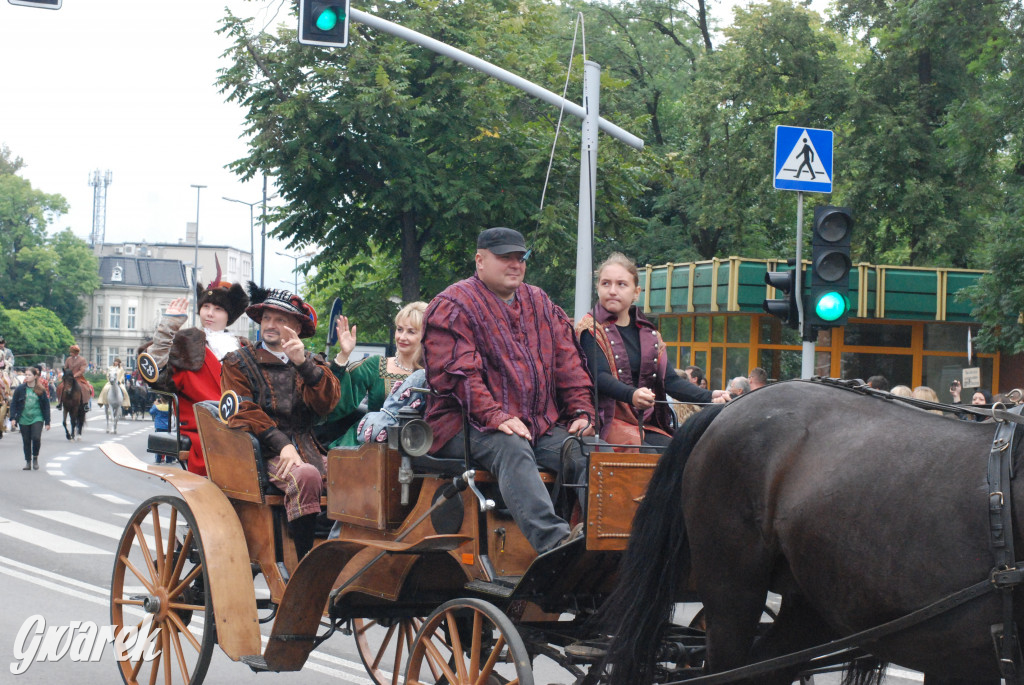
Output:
(828, 303)
(45, 4)
(324, 22)
(789, 283)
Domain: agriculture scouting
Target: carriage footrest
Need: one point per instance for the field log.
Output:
(502, 586)
(256, 662)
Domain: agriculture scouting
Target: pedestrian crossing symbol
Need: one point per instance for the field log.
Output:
(803, 159)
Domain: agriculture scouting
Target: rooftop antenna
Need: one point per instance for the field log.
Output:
(99, 182)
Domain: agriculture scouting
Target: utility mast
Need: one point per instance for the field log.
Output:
(99, 182)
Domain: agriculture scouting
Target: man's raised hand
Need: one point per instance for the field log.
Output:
(292, 345)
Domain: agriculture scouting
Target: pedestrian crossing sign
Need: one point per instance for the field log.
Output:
(803, 159)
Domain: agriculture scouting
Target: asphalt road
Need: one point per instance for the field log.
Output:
(59, 528)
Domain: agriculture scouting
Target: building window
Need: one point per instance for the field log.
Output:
(131, 318)
(247, 268)
(129, 361)
(99, 357)
(232, 264)
(99, 316)
(111, 353)
(117, 275)
(115, 317)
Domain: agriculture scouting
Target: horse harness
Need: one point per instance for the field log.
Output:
(1005, 576)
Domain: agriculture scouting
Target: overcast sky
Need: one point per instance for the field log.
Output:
(128, 86)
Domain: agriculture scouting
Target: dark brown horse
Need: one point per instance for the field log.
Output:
(856, 509)
(70, 393)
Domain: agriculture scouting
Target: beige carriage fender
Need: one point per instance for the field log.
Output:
(227, 558)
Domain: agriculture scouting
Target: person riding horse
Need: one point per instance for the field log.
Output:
(117, 372)
(76, 365)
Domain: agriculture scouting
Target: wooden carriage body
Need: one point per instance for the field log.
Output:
(392, 559)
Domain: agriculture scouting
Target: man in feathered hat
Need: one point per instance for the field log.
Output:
(283, 390)
(190, 358)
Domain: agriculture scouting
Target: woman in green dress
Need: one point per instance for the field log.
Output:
(377, 376)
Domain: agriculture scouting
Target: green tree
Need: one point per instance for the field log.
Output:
(389, 143)
(38, 269)
(35, 335)
(927, 139)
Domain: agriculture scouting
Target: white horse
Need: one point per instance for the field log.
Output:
(114, 397)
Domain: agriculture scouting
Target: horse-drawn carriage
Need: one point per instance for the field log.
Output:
(437, 584)
(431, 576)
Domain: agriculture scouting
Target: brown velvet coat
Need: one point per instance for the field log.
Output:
(279, 403)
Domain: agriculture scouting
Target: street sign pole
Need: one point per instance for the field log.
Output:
(803, 162)
(807, 350)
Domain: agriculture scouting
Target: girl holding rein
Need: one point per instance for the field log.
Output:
(628, 359)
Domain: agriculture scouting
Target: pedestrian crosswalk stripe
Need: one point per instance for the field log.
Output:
(40, 538)
(79, 521)
(113, 499)
(73, 483)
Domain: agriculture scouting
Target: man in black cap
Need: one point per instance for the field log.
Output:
(283, 390)
(502, 351)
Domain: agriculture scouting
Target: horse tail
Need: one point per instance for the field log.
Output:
(656, 564)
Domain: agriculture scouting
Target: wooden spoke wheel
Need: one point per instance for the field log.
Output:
(383, 644)
(159, 582)
(468, 642)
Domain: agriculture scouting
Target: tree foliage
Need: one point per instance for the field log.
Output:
(34, 335)
(386, 142)
(39, 269)
(392, 158)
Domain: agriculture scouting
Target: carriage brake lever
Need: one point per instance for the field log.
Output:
(485, 503)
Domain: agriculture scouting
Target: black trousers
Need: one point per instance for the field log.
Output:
(31, 438)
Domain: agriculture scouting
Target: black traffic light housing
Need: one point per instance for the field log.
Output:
(789, 283)
(324, 22)
(45, 4)
(828, 301)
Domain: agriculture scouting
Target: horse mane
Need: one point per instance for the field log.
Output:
(655, 566)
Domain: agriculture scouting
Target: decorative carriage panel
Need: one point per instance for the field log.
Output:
(363, 488)
(617, 485)
(230, 455)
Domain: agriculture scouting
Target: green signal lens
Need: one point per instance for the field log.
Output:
(830, 306)
(327, 20)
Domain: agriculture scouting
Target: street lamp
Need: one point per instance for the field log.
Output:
(252, 236)
(252, 230)
(195, 263)
(295, 269)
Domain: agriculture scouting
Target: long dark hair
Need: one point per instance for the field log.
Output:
(40, 387)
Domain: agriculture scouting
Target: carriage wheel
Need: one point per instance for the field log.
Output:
(384, 644)
(158, 580)
(467, 642)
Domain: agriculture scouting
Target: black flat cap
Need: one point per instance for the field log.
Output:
(501, 240)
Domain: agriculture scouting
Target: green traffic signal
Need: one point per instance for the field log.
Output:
(831, 306)
(328, 19)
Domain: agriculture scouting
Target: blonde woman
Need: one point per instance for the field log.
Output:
(377, 376)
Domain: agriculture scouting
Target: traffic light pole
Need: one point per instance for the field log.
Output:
(588, 113)
(807, 352)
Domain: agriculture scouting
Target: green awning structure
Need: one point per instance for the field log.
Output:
(737, 284)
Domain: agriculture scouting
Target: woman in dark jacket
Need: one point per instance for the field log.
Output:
(30, 409)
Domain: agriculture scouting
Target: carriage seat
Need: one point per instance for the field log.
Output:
(234, 460)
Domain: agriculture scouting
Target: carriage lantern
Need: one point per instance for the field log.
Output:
(412, 437)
